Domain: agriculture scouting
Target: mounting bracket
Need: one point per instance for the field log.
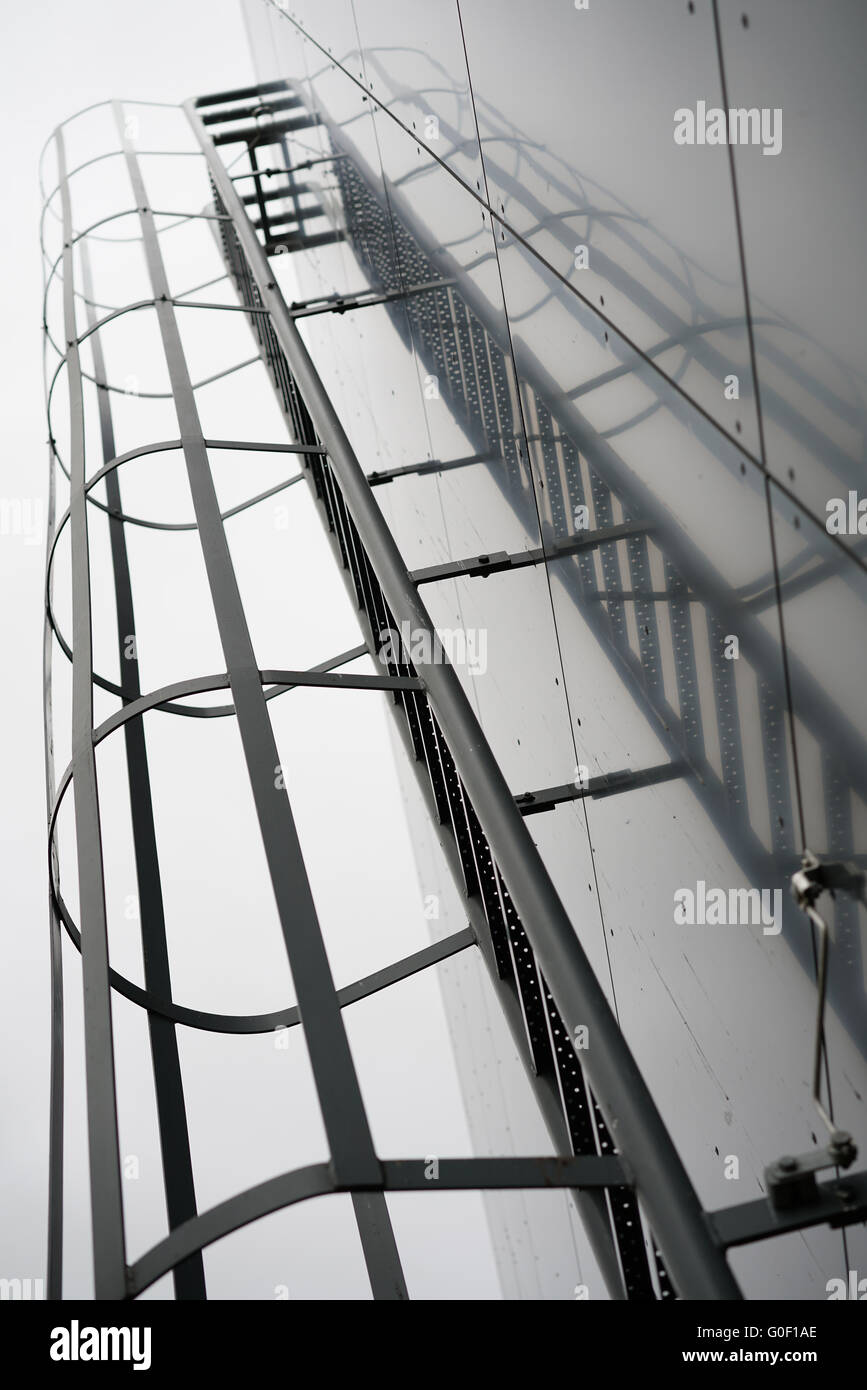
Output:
(791, 1180)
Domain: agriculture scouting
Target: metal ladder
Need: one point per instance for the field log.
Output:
(617, 1157)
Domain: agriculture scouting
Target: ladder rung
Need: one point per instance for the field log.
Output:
(241, 93)
(286, 219)
(243, 113)
(293, 242)
(263, 134)
(286, 190)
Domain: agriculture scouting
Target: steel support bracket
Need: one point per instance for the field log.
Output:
(814, 878)
(791, 1181)
(836, 1204)
(608, 784)
(808, 883)
(556, 550)
(388, 475)
(515, 1173)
